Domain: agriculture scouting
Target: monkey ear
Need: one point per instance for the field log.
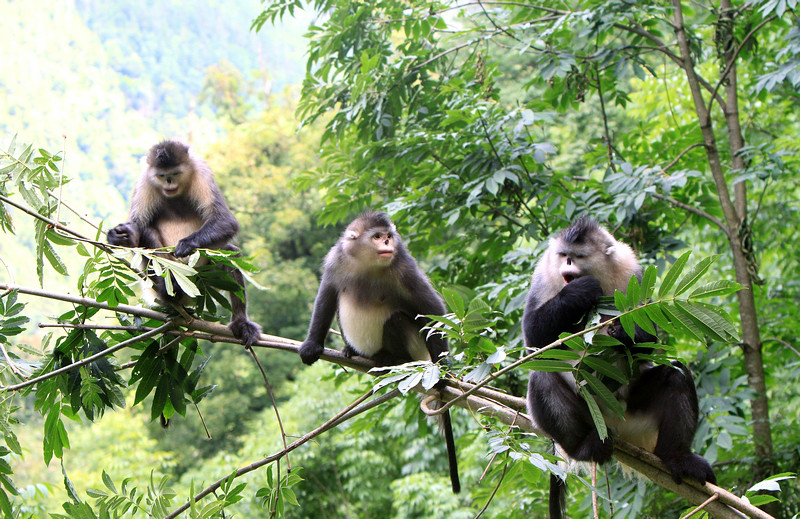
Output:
(350, 235)
(610, 250)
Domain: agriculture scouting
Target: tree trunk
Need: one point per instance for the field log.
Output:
(734, 218)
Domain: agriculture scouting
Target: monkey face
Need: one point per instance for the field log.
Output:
(383, 243)
(374, 248)
(170, 182)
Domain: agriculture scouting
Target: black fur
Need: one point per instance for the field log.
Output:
(665, 393)
(217, 231)
(403, 286)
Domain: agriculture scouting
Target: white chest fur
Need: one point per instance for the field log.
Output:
(173, 230)
(362, 325)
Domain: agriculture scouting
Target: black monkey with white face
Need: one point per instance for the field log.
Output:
(581, 264)
(377, 290)
(176, 202)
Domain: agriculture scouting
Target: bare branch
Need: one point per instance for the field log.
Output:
(694, 210)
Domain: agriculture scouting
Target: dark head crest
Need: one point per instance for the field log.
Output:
(578, 231)
(168, 154)
(372, 219)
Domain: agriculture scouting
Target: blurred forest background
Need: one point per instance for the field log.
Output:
(482, 130)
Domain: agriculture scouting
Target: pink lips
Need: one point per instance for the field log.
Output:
(170, 191)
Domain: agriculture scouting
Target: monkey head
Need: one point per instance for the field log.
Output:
(587, 249)
(170, 169)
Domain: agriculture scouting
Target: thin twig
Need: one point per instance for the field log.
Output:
(595, 512)
(702, 505)
(681, 154)
(274, 405)
(202, 421)
(699, 212)
(496, 488)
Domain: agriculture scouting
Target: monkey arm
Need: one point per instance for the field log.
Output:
(217, 230)
(325, 306)
(543, 324)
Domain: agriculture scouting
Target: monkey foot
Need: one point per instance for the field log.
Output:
(689, 465)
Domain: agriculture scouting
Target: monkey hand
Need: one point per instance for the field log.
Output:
(582, 293)
(246, 330)
(310, 352)
(124, 235)
(185, 247)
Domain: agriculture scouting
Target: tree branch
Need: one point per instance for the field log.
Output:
(694, 210)
(345, 414)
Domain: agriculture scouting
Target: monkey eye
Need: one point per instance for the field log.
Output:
(376, 236)
(580, 256)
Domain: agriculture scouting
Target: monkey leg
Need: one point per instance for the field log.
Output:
(563, 415)
(667, 393)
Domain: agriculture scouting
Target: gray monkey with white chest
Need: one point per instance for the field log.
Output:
(377, 291)
(581, 264)
(176, 202)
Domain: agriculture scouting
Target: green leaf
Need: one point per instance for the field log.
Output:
(715, 322)
(694, 275)
(605, 394)
(672, 274)
(454, 302)
(678, 318)
(655, 313)
(628, 324)
(633, 293)
(641, 318)
(605, 368)
(648, 282)
(160, 398)
(594, 410)
(547, 365)
(719, 288)
(562, 354)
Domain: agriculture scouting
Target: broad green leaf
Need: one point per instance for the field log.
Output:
(680, 319)
(561, 355)
(628, 324)
(606, 368)
(547, 365)
(633, 293)
(655, 313)
(605, 394)
(694, 275)
(641, 317)
(672, 275)
(722, 329)
(648, 282)
(620, 301)
(719, 288)
(454, 302)
(594, 410)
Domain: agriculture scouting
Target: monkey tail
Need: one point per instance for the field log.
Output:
(447, 429)
(558, 496)
(429, 405)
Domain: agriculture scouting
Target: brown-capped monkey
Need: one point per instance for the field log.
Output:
(377, 290)
(581, 264)
(177, 203)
